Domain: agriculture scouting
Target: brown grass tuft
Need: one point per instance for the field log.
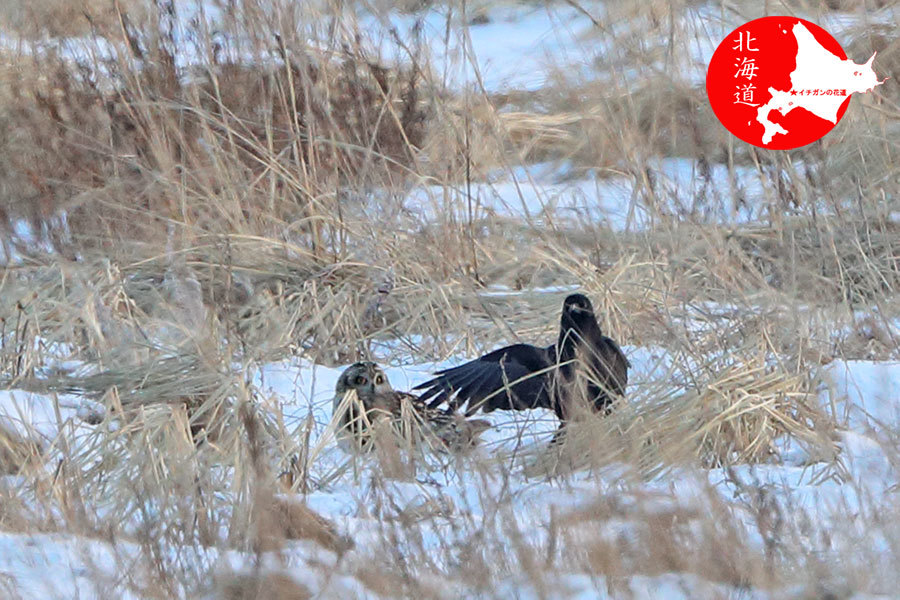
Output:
(286, 518)
(17, 454)
(266, 586)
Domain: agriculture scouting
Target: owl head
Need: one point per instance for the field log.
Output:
(369, 382)
(366, 378)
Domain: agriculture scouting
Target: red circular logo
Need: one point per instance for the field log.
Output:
(782, 82)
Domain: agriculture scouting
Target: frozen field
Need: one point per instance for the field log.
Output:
(498, 490)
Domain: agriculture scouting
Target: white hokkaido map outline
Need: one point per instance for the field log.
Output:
(816, 68)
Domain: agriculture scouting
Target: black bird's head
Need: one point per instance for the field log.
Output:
(577, 312)
(578, 305)
(577, 325)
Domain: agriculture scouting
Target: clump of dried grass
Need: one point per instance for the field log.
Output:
(268, 306)
(850, 258)
(18, 453)
(261, 586)
(594, 126)
(161, 380)
(172, 449)
(84, 144)
(744, 409)
(664, 539)
(286, 518)
(732, 414)
(50, 18)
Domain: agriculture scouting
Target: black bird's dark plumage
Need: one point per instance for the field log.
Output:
(582, 363)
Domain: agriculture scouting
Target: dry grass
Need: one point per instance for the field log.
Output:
(17, 452)
(49, 18)
(260, 587)
(187, 204)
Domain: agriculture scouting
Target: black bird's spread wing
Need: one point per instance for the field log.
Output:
(512, 378)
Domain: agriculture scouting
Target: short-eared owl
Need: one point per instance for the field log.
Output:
(380, 400)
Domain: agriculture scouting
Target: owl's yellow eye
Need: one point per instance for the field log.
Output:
(379, 379)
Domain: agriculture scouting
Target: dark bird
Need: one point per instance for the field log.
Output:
(379, 400)
(583, 365)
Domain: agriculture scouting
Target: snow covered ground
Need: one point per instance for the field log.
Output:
(837, 510)
(541, 191)
(506, 46)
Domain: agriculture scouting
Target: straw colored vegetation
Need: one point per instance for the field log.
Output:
(186, 204)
